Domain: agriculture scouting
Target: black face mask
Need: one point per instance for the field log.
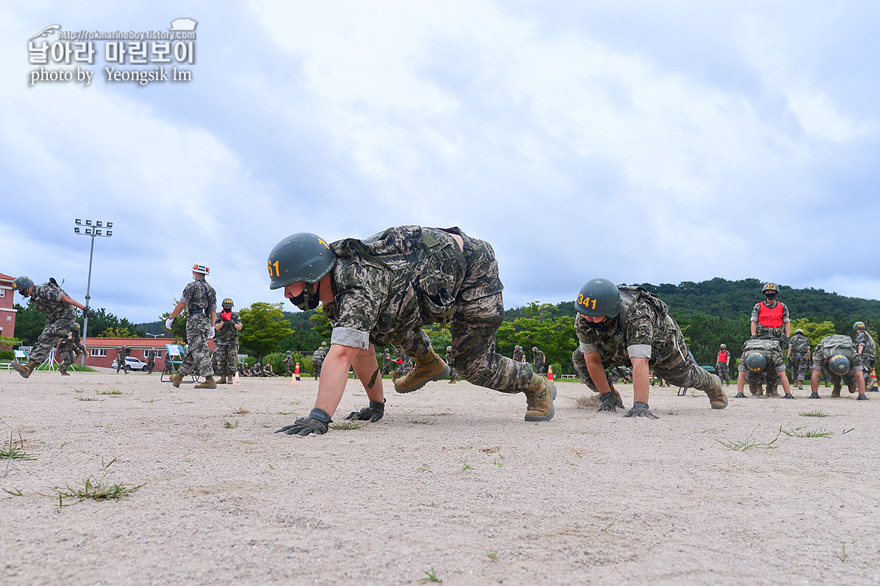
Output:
(770, 296)
(309, 298)
(601, 326)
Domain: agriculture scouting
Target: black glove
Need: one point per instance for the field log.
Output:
(87, 311)
(610, 402)
(739, 395)
(862, 398)
(788, 396)
(315, 423)
(373, 413)
(813, 396)
(640, 409)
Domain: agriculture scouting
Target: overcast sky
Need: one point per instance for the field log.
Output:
(636, 141)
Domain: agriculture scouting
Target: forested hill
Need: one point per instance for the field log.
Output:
(733, 299)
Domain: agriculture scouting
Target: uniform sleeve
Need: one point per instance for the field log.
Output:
(586, 343)
(755, 311)
(818, 357)
(361, 294)
(51, 293)
(639, 330)
(785, 318)
(186, 296)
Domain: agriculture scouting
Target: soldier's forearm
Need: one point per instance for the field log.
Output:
(641, 382)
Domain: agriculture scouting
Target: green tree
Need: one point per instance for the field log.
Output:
(321, 325)
(29, 324)
(263, 328)
(117, 332)
(178, 326)
(812, 330)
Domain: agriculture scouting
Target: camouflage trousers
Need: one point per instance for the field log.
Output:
(723, 371)
(225, 357)
(538, 368)
(672, 364)
(868, 363)
(580, 367)
(799, 365)
(52, 333)
(473, 328)
(197, 358)
(316, 367)
(768, 376)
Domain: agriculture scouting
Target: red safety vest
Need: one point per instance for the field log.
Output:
(770, 317)
(722, 356)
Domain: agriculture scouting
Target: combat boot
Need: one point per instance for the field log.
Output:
(209, 383)
(717, 398)
(835, 391)
(539, 399)
(222, 380)
(753, 389)
(63, 370)
(799, 384)
(25, 370)
(427, 367)
(176, 379)
(771, 392)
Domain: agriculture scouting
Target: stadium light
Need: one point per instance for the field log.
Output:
(91, 232)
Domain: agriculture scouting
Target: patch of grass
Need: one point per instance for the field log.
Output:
(241, 411)
(97, 488)
(493, 555)
(229, 425)
(847, 430)
(347, 425)
(423, 421)
(13, 492)
(430, 576)
(467, 467)
(88, 399)
(816, 413)
(747, 444)
(428, 470)
(607, 527)
(14, 450)
(111, 392)
(797, 432)
(497, 463)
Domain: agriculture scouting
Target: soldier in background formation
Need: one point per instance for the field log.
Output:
(762, 357)
(70, 349)
(537, 360)
(318, 359)
(798, 351)
(450, 361)
(837, 356)
(200, 301)
(387, 363)
(288, 363)
(866, 349)
(623, 324)
(268, 370)
(52, 301)
(226, 338)
(722, 364)
(518, 354)
(121, 355)
(770, 319)
(151, 361)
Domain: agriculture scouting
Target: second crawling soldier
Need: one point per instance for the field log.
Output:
(623, 324)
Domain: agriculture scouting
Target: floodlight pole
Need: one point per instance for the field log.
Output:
(91, 231)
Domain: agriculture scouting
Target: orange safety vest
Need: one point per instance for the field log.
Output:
(770, 317)
(722, 356)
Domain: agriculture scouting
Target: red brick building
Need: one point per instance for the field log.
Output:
(103, 351)
(7, 300)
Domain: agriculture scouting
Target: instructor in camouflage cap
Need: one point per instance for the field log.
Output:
(623, 324)
(382, 290)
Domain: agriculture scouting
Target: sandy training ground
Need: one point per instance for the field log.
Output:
(452, 483)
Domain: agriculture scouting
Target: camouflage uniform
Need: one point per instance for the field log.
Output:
(800, 347)
(388, 286)
(121, 355)
(67, 352)
(828, 347)
(288, 364)
(518, 355)
(387, 363)
(580, 367)
(60, 318)
(449, 359)
(318, 357)
(226, 339)
(538, 361)
(200, 300)
(766, 332)
(643, 329)
(868, 357)
(775, 364)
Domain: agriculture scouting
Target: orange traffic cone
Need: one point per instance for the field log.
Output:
(523, 359)
(549, 373)
(296, 372)
(236, 380)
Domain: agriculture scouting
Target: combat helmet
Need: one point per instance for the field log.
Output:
(799, 331)
(201, 269)
(227, 302)
(756, 362)
(22, 284)
(599, 297)
(859, 325)
(724, 346)
(534, 348)
(448, 348)
(323, 343)
(771, 287)
(301, 257)
(838, 364)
